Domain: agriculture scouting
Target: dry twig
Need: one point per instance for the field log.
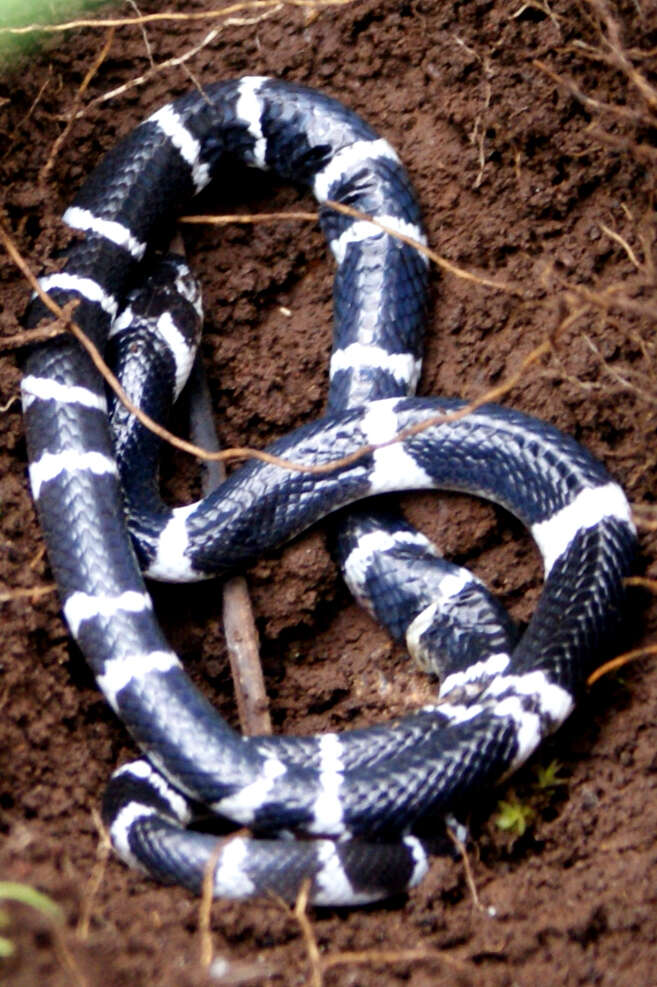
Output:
(98, 61)
(469, 876)
(620, 660)
(308, 933)
(32, 593)
(103, 851)
(239, 623)
(386, 957)
(369, 957)
(172, 15)
(205, 904)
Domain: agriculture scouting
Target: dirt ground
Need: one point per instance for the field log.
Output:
(530, 132)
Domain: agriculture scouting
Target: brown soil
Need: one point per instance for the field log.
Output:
(545, 183)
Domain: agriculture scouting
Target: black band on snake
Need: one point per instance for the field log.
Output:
(366, 801)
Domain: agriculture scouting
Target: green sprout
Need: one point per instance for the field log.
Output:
(548, 777)
(14, 891)
(514, 817)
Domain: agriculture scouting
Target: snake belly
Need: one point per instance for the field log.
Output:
(363, 794)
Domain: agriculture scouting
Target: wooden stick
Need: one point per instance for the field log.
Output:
(239, 623)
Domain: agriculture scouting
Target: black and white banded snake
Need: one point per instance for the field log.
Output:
(360, 799)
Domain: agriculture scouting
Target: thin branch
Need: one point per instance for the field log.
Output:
(634, 116)
(239, 622)
(621, 241)
(91, 72)
(624, 659)
(30, 336)
(168, 15)
(645, 395)
(95, 881)
(144, 34)
(27, 593)
(623, 144)
(207, 897)
(9, 147)
(308, 933)
(153, 69)
(437, 259)
(385, 957)
(312, 217)
(643, 581)
(373, 957)
(469, 876)
(618, 55)
(247, 218)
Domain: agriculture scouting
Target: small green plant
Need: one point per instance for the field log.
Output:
(14, 891)
(514, 817)
(548, 777)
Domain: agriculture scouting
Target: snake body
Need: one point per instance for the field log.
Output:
(368, 798)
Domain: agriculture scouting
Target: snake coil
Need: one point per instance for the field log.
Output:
(368, 798)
